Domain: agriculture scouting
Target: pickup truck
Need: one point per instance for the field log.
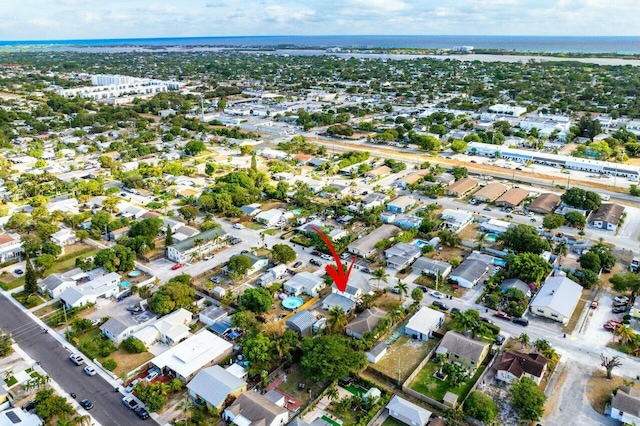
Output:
(130, 403)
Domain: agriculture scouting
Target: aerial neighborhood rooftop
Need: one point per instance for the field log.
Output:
(165, 233)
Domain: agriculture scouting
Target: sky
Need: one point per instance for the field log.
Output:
(91, 19)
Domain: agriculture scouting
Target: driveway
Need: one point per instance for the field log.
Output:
(54, 358)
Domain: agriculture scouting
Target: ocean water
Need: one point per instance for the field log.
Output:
(551, 44)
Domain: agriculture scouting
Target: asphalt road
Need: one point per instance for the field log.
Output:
(54, 359)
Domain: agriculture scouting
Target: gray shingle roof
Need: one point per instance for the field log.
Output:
(408, 411)
(458, 344)
(214, 384)
(190, 242)
(367, 320)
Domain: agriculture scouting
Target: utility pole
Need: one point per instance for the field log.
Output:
(64, 309)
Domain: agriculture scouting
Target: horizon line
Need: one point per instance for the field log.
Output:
(314, 35)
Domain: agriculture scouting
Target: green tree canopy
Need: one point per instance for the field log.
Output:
(590, 261)
(330, 358)
(256, 300)
(194, 147)
(528, 267)
(173, 295)
(524, 238)
(239, 264)
(552, 221)
(528, 398)
(481, 407)
(581, 199)
(282, 253)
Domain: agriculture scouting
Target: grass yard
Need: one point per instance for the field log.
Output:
(253, 225)
(390, 421)
(291, 386)
(11, 381)
(387, 301)
(28, 300)
(348, 416)
(428, 385)
(89, 343)
(271, 231)
(61, 266)
(405, 354)
(127, 361)
(599, 389)
(573, 322)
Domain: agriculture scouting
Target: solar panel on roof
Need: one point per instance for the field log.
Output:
(13, 417)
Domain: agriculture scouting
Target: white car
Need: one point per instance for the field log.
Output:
(129, 388)
(437, 294)
(208, 257)
(90, 370)
(621, 299)
(238, 226)
(326, 257)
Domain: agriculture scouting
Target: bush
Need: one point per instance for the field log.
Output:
(492, 328)
(110, 364)
(481, 407)
(133, 345)
(107, 347)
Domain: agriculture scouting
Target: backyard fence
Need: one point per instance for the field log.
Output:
(406, 389)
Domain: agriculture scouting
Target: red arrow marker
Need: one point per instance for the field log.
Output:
(339, 276)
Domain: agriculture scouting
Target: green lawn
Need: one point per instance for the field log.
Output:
(57, 267)
(11, 381)
(392, 422)
(253, 225)
(295, 377)
(28, 300)
(428, 385)
(89, 343)
(271, 231)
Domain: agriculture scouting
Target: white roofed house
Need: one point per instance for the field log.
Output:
(10, 247)
(456, 220)
(185, 251)
(469, 272)
(133, 212)
(105, 286)
(185, 359)
(213, 385)
(251, 408)
(401, 255)
(431, 267)
(269, 217)
(272, 274)
(169, 329)
(408, 412)
(423, 323)
(557, 299)
(344, 299)
(55, 284)
(303, 282)
(68, 205)
(64, 237)
(365, 246)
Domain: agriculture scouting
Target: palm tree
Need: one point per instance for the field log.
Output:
(74, 421)
(524, 339)
(562, 249)
(380, 274)
(337, 319)
(8, 374)
(541, 345)
(552, 356)
(395, 315)
(185, 405)
(625, 332)
(480, 241)
(332, 393)
(402, 288)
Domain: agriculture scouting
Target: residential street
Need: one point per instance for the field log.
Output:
(54, 359)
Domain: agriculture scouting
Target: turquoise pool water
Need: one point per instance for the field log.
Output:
(134, 273)
(420, 243)
(491, 238)
(292, 303)
(125, 284)
(499, 262)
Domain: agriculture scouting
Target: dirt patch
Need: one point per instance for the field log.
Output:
(599, 389)
(387, 301)
(552, 401)
(573, 322)
(403, 357)
(507, 415)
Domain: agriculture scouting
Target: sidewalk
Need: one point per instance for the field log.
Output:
(55, 386)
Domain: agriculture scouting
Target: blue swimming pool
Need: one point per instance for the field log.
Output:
(420, 243)
(491, 238)
(125, 284)
(292, 303)
(134, 273)
(499, 262)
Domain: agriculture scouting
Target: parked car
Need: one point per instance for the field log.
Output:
(90, 371)
(152, 375)
(316, 253)
(499, 340)
(177, 266)
(76, 359)
(326, 257)
(86, 404)
(215, 279)
(142, 413)
(208, 257)
(441, 305)
(487, 209)
(609, 327)
(131, 403)
(18, 271)
(315, 262)
(595, 304)
(503, 315)
(238, 226)
(129, 388)
(487, 320)
(437, 294)
(366, 270)
(345, 255)
(424, 288)
(620, 309)
(621, 299)
(617, 304)
(30, 405)
(297, 264)
(455, 310)
(134, 309)
(521, 320)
